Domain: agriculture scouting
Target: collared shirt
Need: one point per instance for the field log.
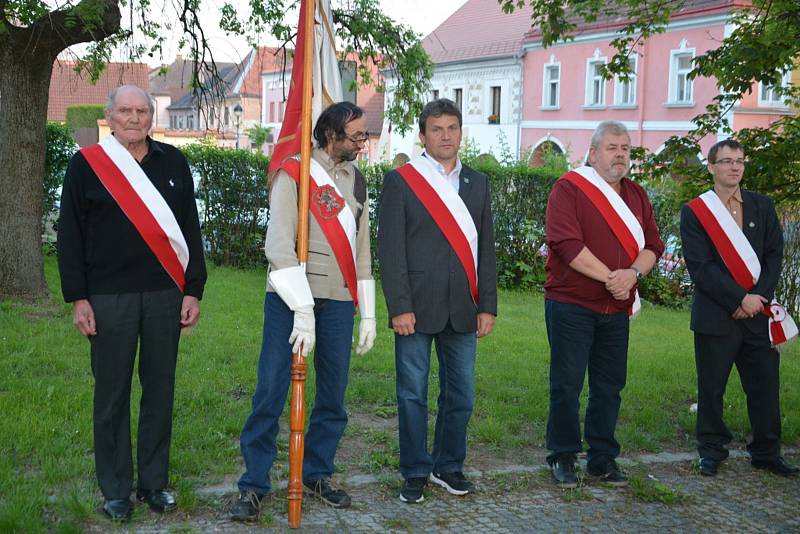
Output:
(322, 270)
(453, 176)
(733, 203)
(574, 222)
(99, 249)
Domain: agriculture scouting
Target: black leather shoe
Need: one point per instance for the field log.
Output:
(158, 500)
(563, 470)
(777, 465)
(709, 467)
(118, 509)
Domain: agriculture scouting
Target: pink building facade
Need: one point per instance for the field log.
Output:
(565, 98)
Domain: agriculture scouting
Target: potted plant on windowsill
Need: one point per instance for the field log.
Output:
(494, 119)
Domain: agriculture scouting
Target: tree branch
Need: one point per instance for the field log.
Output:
(87, 21)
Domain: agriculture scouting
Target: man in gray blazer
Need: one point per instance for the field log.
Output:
(437, 257)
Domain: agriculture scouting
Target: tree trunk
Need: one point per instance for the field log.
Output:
(24, 86)
(27, 55)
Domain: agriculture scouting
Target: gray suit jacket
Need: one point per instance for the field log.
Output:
(420, 271)
(716, 294)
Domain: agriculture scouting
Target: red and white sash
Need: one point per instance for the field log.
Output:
(448, 212)
(141, 202)
(740, 259)
(617, 214)
(334, 218)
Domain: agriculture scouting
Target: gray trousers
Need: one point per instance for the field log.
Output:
(151, 321)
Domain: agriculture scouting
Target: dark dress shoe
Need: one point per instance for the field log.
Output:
(158, 500)
(709, 467)
(777, 465)
(118, 509)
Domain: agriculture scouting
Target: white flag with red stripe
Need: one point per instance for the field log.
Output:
(141, 202)
(741, 260)
(326, 82)
(617, 214)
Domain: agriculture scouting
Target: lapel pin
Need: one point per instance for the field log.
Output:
(466, 180)
(752, 224)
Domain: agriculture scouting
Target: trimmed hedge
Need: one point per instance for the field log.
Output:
(232, 200)
(84, 115)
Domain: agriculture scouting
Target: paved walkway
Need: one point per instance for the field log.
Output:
(666, 494)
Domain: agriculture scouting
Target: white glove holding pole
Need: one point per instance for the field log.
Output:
(367, 328)
(292, 287)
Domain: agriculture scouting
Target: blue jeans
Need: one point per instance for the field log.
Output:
(580, 338)
(456, 354)
(334, 330)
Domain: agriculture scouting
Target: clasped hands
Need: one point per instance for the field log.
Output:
(752, 304)
(620, 282)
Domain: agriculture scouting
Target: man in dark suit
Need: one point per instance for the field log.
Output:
(437, 257)
(727, 320)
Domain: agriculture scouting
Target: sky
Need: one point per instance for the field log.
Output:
(421, 15)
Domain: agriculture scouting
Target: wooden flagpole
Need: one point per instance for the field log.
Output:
(297, 409)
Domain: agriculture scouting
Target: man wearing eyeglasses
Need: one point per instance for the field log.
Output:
(312, 305)
(733, 247)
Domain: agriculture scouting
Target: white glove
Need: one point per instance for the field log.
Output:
(367, 329)
(366, 335)
(303, 333)
(292, 287)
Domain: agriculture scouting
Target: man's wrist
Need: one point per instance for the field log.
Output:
(637, 272)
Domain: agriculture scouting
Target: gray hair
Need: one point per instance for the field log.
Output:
(614, 127)
(113, 96)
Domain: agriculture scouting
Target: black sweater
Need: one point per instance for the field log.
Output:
(99, 249)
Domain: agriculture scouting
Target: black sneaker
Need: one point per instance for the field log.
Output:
(563, 469)
(455, 483)
(412, 490)
(246, 507)
(322, 488)
(608, 472)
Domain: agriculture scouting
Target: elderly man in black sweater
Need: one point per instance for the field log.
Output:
(131, 262)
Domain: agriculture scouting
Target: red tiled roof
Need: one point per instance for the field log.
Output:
(267, 59)
(373, 111)
(68, 87)
(479, 29)
(686, 9)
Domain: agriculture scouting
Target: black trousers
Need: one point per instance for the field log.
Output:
(151, 321)
(758, 366)
(582, 339)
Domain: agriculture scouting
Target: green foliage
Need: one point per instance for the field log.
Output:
(84, 115)
(233, 195)
(258, 135)
(60, 149)
(763, 46)
(383, 44)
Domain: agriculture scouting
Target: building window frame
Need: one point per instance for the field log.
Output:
(595, 91)
(766, 93)
(681, 87)
(458, 98)
(551, 86)
(625, 93)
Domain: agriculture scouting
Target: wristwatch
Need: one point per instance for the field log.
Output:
(639, 274)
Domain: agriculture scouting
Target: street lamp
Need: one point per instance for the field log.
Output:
(237, 112)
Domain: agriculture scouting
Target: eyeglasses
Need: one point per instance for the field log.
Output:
(728, 162)
(358, 139)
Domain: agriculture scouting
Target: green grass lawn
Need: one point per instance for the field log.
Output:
(46, 464)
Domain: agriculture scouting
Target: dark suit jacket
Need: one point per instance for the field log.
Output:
(716, 294)
(420, 272)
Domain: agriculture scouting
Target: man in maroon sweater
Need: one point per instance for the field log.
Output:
(603, 239)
